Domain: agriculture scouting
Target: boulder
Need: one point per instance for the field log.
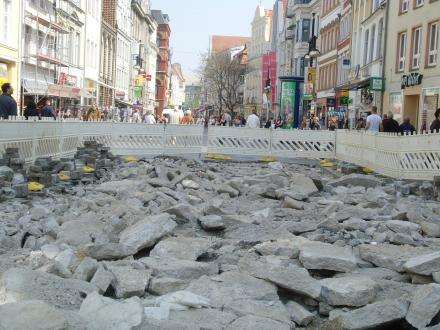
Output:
(212, 222)
(80, 232)
(353, 291)
(190, 184)
(103, 313)
(424, 306)
(147, 232)
(316, 255)
(31, 315)
(19, 284)
(302, 184)
(161, 286)
(183, 212)
(424, 265)
(109, 251)
(299, 314)
(181, 248)
(373, 315)
(128, 282)
(102, 279)
(253, 322)
(281, 248)
(86, 269)
(290, 203)
(358, 180)
(227, 189)
(404, 227)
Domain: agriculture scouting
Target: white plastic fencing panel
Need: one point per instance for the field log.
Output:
(405, 157)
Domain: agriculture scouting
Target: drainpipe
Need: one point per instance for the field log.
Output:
(385, 40)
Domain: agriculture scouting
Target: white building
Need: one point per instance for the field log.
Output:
(92, 49)
(123, 53)
(260, 45)
(177, 85)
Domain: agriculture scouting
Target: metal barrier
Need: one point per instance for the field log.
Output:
(406, 157)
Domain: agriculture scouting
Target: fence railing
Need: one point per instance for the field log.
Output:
(406, 157)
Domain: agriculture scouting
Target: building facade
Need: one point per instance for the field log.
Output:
(412, 62)
(107, 71)
(10, 40)
(163, 67)
(259, 45)
(177, 94)
(193, 97)
(123, 53)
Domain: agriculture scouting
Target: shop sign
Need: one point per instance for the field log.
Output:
(139, 81)
(331, 102)
(138, 91)
(120, 95)
(377, 84)
(311, 75)
(412, 79)
(346, 63)
(288, 97)
(67, 79)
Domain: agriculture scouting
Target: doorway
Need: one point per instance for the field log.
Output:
(411, 108)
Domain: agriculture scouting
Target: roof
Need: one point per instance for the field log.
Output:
(160, 17)
(222, 43)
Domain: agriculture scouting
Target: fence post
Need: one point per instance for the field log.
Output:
(61, 138)
(34, 141)
(270, 141)
(164, 138)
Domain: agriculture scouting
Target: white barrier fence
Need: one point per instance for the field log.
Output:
(409, 157)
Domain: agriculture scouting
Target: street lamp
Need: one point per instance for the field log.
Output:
(313, 51)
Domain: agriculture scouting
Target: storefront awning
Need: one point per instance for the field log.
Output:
(35, 87)
(128, 104)
(64, 91)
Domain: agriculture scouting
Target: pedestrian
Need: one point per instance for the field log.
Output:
(279, 123)
(48, 111)
(406, 128)
(237, 121)
(174, 117)
(435, 125)
(228, 119)
(8, 106)
(31, 110)
(389, 125)
(373, 121)
(187, 119)
(253, 121)
(332, 124)
(149, 118)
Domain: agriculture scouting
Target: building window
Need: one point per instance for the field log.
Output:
(433, 43)
(418, 3)
(373, 35)
(306, 30)
(366, 36)
(6, 20)
(376, 4)
(379, 39)
(416, 45)
(401, 52)
(404, 6)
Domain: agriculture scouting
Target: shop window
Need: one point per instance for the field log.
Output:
(433, 43)
(395, 105)
(416, 46)
(430, 105)
(401, 52)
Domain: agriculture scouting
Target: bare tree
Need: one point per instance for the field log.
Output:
(222, 76)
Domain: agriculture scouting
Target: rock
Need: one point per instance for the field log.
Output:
(178, 269)
(103, 313)
(436, 277)
(424, 306)
(86, 269)
(147, 232)
(366, 181)
(19, 284)
(109, 251)
(128, 282)
(282, 248)
(390, 256)
(181, 248)
(21, 190)
(31, 315)
(161, 286)
(424, 264)
(253, 322)
(183, 213)
(430, 229)
(7, 173)
(353, 291)
(39, 212)
(285, 275)
(50, 250)
(402, 239)
(273, 309)
(302, 184)
(212, 222)
(102, 279)
(190, 184)
(404, 227)
(290, 203)
(373, 315)
(299, 314)
(67, 258)
(80, 232)
(227, 189)
(316, 255)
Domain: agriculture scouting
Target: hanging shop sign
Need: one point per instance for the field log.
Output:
(331, 102)
(412, 79)
(67, 79)
(138, 91)
(120, 95)
(139, 81)
(377, 84)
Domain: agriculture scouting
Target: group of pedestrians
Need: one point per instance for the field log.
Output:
(388, 124)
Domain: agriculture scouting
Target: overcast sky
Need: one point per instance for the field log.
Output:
(193, 21)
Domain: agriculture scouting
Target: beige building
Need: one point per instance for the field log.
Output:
(10, 11)
(412, 63)
(260, 45)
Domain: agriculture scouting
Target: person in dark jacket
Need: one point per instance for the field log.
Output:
(8, 106)
(31, 110)
(389, 125)
(435, 125)
(406, 128)
(47, 110)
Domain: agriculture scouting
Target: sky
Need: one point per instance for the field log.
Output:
(193, 21)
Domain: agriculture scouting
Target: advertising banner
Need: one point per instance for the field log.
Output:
(288, 89)
(269, 76)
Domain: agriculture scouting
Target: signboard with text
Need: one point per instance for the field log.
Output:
(410, 80)
(288, 89)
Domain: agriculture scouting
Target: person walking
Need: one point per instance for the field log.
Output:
(373, 121)
(389, 125)
(174, 117)
(406, 128)
(435, 125)
(8, 106)
(48, 111)
(31, 110)
(228, 119)
(149, 118)
(253, 121)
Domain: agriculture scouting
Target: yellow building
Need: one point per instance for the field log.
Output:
(412, 72)
(10, 14)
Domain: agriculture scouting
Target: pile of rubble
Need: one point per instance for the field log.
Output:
(170, 243)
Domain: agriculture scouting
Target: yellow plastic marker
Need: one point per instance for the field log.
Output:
(367, 170)
(218, 157)
(131, 159)
(63, 177)
(327, 164)
(35, 186)
(267, 159)
(323, 161)
(88, 169)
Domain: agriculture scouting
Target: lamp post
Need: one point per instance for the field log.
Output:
(268, 91)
